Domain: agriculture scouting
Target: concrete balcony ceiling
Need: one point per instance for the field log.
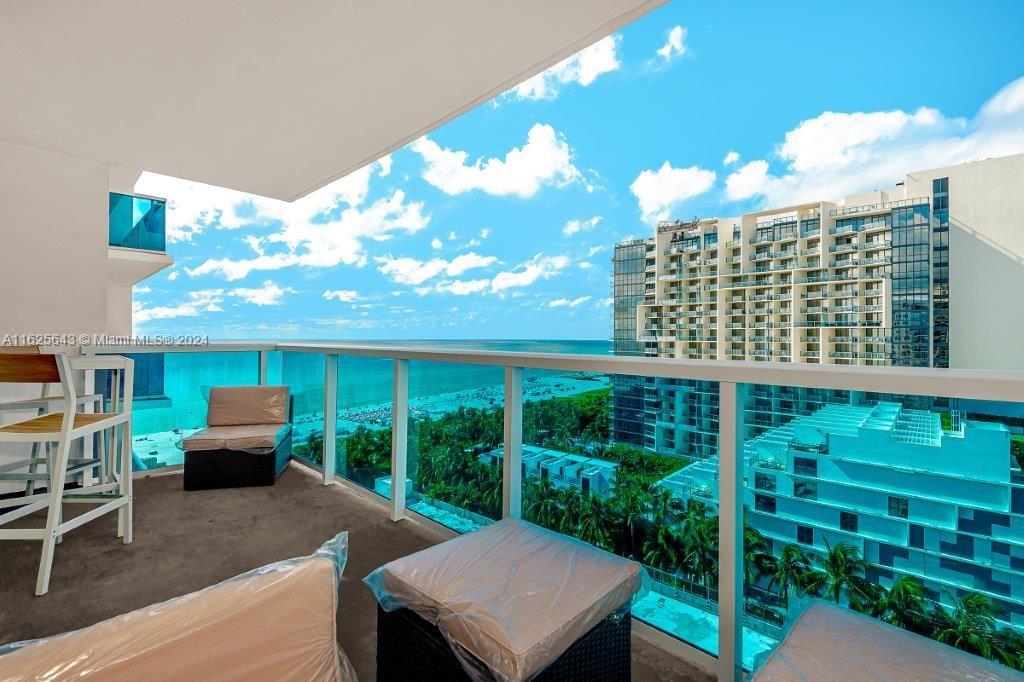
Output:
(272, 98)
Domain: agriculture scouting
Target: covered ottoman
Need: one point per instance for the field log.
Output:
(247, 441)
(514, 601)
(828, 642)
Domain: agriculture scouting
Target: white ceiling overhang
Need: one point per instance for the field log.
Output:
(269, 97)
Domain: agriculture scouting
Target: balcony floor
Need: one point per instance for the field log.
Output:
(187, 541)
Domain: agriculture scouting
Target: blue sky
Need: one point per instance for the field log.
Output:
(499, 224)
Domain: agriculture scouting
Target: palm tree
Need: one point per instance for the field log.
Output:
(841, 573)
(903, 605)
(757, 560)
(790, 571)
(542, 505)
(971, 626)
(594, 521)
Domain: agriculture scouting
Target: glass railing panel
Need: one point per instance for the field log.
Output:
(303, 373)
(363, 451)
(137, 222)
(456, 429)
(905, 508)
(630, 464)
(171, 397)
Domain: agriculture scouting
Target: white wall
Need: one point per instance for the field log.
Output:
(53, 231)
(986, 260)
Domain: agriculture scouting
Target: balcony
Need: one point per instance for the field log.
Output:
(138, 222)
(382, 426)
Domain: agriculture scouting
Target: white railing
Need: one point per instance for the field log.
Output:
(733, 378)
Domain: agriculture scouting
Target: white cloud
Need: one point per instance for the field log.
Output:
(538, 267)
(545, 159)
(583, 68)
(594, 250)
(749, 180)
(322, 243)
(141, 290)
(585, 265)
(436, 244)
(342, 295)
(485, 232)
(660, 191)
(414, 272)
(456, 287)
(198, 302)
(452, 236)
(835, 154)
(268, 294)
(173, 275)
(384, 164)
(675, 44)
(568, 303)
(577, 225)
(730, 158)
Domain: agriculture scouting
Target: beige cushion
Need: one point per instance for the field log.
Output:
(274, 625)
(237, 405)
(513, 594)
(831, 643)
(246, 437)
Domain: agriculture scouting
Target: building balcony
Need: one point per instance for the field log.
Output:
(137, 222)
(347, 400)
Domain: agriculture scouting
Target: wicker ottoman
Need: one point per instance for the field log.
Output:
(224, 468)
(515, 601)
(411, 648)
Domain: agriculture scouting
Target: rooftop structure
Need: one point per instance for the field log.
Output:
(563, 469)
(941, 504)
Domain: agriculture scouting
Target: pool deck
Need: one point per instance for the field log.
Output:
(185, 541)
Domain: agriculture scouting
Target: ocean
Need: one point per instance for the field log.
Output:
(179, 386)
(368, 381)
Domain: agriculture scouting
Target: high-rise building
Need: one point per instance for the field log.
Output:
(629, 283)
(918, 274)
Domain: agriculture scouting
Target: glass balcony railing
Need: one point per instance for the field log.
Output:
(138, 222)
(741, 499)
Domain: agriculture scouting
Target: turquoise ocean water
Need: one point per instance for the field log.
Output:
(188, 376)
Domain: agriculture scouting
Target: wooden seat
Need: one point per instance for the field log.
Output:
(51, 423)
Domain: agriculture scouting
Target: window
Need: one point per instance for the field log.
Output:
(805, 535)
(848, 521)
(899, 507)
(764, 482)
(805, 490)
(764, 503)
(805, 466)
(916, 536)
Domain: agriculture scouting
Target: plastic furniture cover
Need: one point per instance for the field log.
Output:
(828, 642)
(240, 405)
(273, 623)
(513, 595)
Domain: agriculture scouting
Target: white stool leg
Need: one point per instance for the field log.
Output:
(58, 469)
(33, 467)
(125, 512)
